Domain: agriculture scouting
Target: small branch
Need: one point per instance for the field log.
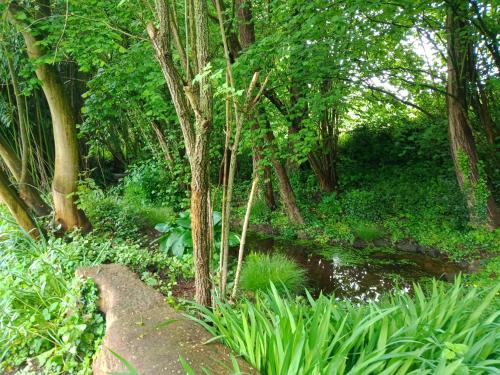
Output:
(243, 237)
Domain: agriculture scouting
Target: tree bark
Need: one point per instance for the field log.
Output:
(17, 207)
(267, 177)
(200, 225)
(463, 148)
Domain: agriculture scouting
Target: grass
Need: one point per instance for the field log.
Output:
(450, 330)
(261, 269)
(368, 231)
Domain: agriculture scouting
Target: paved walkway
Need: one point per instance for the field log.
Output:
(148, 333)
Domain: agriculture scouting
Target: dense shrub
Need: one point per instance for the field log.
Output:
(152, 183)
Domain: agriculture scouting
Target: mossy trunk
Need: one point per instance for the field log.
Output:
(17, 207)
(66, 167)
(27, 191)
(480, 202)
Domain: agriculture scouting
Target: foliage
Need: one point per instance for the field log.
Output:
(49, 315)
(400, 335)
(177, 238)
(46, 314)
(368, 231)
(152, 183)
(392, 186)
(261, 269)
(124, 217)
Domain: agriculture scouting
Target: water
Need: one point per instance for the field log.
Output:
(356, 273)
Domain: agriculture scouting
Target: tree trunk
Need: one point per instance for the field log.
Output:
(200, 224)
(246, 221)
(286, 189)
(66, 169)
(17, 207)
(20, 168)
(463, 149)
(267, 177)
(192, 101)
(27, 191)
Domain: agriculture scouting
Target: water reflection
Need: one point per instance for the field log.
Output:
(367, 277)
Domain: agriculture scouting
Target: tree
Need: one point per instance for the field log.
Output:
(470, 175)
(192, 99)
(19, 167)
(66, 168)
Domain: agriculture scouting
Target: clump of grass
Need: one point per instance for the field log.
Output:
(449, 330)
(368, 231)
(261, 269)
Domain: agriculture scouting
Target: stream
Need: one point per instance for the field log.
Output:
(357, 274)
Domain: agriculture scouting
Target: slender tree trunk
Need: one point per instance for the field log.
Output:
(246, 221)
(29, 194)
(463, 148)
(66, 169)
(286, 189)
(20, 168)
(191, 101)
(17, 207)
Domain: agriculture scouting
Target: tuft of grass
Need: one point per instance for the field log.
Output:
(368, 231)
(261, 269)
(449, 330)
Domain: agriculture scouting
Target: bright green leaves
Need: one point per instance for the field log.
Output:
(176, 238)
(451, 351)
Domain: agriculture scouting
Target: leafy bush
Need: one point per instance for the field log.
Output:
(449, 331)
(177, 236)
(110, 213)
(261, 269)
(152, 183)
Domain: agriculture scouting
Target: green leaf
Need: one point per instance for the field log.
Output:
(163, 228)
(184, 222)
(216, 218)
(448, 354)
(234, 239)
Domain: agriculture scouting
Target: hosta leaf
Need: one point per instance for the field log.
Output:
(184, 222)
(216, 217)
(163, 228)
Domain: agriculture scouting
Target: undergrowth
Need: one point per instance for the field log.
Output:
(450, 330)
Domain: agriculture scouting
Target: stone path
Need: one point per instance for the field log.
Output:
(148, 333)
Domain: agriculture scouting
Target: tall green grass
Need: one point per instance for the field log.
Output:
(451, 330)
(259, 270)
